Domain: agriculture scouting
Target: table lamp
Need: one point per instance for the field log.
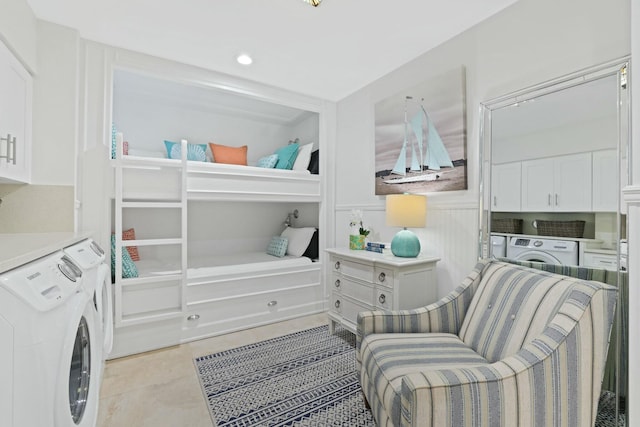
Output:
(406, 210)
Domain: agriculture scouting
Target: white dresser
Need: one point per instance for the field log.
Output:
(363, 280)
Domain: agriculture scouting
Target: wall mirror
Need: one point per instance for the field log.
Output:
(555, 158)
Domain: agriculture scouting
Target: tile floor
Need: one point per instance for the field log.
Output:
(160, 388)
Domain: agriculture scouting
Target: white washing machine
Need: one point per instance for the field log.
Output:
(498, 246)
(97, 282)
(560, 252)
(48, 359)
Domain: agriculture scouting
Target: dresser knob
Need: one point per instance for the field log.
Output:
(272, 303)
(337, 304)
(337, 265)
(337, 283)
(382, 276)
(193, 317)
(382, 298)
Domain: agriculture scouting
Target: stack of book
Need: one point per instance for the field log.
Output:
(378, 247)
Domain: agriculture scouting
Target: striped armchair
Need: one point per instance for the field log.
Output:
(511, 346)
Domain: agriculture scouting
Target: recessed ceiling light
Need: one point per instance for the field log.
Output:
(244, 59)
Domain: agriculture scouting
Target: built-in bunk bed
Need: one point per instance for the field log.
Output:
(217, 234)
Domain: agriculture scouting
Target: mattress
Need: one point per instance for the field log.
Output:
(228, 264)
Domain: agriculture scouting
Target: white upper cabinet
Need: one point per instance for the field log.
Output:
(605, 181)
(559, 184)
(505, 187)
(15, 119)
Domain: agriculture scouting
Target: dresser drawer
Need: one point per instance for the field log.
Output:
(357, 290)
(348, 308)
(384, 299)
(353, 269)
(383, 276)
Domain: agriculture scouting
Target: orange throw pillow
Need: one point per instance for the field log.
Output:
(229, 155)
(130, 234)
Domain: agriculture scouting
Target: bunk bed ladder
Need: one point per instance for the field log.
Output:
(121, 205)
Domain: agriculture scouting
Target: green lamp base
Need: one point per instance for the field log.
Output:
(405, 244)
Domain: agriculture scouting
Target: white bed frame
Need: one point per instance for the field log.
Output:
(184, 305)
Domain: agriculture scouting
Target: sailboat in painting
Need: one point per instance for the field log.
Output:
(428, 153)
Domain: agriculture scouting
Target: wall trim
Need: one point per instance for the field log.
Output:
(431, 204)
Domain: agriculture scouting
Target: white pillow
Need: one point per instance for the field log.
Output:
(304, 157)
(299, 239)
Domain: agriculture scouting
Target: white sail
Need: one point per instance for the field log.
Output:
(436, 155)
(416, 125)
(401, 164)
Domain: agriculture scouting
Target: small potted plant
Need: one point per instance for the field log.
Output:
(358, 233)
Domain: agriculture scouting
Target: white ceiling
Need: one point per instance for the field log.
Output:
(328, 51)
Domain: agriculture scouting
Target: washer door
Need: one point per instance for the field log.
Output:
(537, 256)
(77, 387)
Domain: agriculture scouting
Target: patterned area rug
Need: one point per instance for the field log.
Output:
(307, 378)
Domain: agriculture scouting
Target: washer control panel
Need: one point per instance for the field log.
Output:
(45, 283)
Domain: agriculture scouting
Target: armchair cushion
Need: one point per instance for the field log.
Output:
(388, 358)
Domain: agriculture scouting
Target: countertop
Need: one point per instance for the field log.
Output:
(21, 248)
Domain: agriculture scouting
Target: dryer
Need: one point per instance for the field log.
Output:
(49, 360)
(560, 252)
(97, 278)
(498, 246)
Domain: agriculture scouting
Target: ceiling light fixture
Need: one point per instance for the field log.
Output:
(314, 3)
(244, 59)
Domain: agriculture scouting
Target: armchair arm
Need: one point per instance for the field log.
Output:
(445, 315)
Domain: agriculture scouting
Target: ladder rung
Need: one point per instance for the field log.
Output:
(174, 205)
(153, 242)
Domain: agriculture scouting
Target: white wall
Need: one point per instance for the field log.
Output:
(55, 98)
(527, 43)
(18, 28)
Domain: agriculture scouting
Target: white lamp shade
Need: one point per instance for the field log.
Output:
(406, 210)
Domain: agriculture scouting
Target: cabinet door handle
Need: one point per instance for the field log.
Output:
(272, 303)
(337, 265)
(337, 283)
(382, 277)
(382, 298)
(193, 317)
(556, 199)
(10, 154)
(495, 201)
(549, 199)
(337, 303)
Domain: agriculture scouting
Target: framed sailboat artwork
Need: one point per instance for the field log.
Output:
(420, 137)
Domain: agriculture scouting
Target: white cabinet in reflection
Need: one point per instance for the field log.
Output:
(558, 184)
(605, 181)
(505, 187)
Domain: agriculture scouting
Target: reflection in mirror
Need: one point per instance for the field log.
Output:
(555, 158)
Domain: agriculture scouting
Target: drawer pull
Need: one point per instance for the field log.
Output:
(193, 317)
(382, 277)
(382, 298)
(337, 303)
(337, 283)
(272, 303)
(337, 265)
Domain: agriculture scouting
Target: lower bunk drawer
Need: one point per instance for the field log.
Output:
(227, 314)
(215, 287)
